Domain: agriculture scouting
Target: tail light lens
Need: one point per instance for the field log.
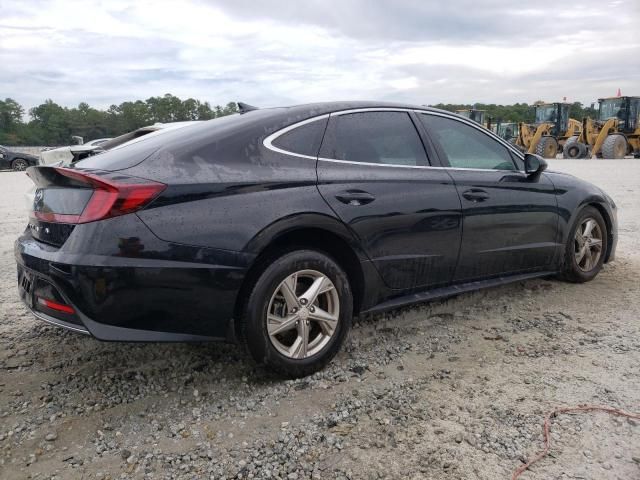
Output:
(111, 196)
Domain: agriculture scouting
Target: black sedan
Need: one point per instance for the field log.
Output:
(274, 227)
(17, 161)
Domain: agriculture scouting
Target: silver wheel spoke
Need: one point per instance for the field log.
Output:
(587, 261)
(588, 228)
(314, 290)
(327, 322)
(597, 244)
(278, 325)
(288, 291)
(299, 347)
(580, 255)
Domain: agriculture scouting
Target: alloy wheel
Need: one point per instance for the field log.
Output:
(303, 314)
(588, 244)
(19, 165)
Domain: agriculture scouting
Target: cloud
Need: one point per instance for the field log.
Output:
(282, 52)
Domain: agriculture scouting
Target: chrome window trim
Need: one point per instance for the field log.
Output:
(268, 141)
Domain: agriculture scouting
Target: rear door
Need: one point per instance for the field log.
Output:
(374, 173)
(510, 220)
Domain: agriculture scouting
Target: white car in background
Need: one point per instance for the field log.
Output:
(66, 156)
(68, 159)
(71, 153)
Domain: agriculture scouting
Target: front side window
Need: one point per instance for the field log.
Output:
(374, 137)
(464, 146)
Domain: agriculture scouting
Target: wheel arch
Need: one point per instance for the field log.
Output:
(313, 231)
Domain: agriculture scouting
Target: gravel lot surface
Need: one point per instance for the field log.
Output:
(455, 389)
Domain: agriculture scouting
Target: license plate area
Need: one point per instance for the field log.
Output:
(25, 286)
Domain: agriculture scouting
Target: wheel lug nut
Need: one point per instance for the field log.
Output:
(303, 301)
(312, 309)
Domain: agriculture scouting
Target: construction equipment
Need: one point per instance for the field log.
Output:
(550, 132)
(473, 114)
(614, 134)
(509, 131)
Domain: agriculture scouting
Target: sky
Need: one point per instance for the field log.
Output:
(283, 52)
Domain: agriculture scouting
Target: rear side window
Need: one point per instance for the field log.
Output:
(303, 140)
(465, 146)
(374, 137)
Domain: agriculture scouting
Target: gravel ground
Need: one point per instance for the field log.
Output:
(455, 389)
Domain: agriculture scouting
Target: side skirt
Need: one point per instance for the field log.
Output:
(453, 290)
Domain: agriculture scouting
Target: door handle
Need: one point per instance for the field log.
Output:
(355, 197)
(475, 195)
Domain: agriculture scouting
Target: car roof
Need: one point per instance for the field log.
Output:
(320, 108)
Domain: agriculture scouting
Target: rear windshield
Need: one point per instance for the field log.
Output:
(130, 155)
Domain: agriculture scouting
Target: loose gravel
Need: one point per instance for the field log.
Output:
(455, 389)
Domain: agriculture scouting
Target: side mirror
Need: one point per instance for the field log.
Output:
(534, 164)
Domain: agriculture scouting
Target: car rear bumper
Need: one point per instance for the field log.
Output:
(128, 299)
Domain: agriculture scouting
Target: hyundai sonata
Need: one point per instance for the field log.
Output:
(274, 227)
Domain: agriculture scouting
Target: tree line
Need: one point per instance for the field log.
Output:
(519, 112)
(52, 124)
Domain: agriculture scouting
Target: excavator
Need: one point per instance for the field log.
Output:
(550, 132)
(614, 134)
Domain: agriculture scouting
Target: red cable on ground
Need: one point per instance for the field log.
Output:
(547, 426)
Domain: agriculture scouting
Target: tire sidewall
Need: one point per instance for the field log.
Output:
(254, 327)
(572, 271)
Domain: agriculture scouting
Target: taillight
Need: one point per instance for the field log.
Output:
(60, 307)
(110, 197)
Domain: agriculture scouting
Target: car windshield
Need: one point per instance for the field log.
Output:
(610, 108)
(545, 113)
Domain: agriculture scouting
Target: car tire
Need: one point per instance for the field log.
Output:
(274, 320)
(580, 261)
(19, 165)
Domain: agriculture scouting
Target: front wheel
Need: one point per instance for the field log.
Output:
(586, 247)
(19, 165)
(298, 314)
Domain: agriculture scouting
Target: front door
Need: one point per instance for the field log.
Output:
(510, 220)
(374, 173)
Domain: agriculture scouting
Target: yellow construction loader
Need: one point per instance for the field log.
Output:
(614, 134)
(552, 130)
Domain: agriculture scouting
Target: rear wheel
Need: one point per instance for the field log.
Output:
(547, 147)
(586, 247)
(614, 146)
(19, 165)
(298, 314)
